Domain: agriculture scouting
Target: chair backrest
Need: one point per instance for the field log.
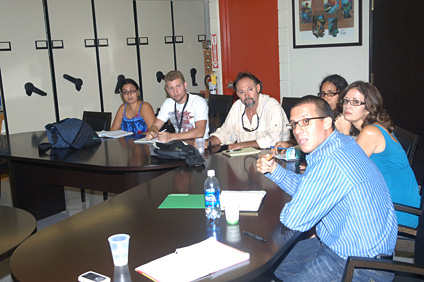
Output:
(287, 104)
(98, 120)
(219, 106)
(419, 238)
(408, 140)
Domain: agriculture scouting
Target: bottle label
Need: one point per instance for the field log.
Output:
(210, 198)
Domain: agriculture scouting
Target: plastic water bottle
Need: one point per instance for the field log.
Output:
(212, 191)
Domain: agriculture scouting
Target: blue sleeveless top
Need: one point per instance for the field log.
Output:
(136, 125)
(400, 178)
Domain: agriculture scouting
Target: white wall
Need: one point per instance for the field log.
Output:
(302, 70)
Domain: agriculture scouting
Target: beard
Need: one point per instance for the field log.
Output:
(249, 102)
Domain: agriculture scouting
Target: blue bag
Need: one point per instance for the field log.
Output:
(70, 133)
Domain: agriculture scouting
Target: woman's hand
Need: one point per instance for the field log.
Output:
(266, 163)
(343, 125)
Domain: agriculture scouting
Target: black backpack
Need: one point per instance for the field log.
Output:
(178, 150)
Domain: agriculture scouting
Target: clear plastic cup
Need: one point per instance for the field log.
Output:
(200, 144)
(232, 211)
(119, 244)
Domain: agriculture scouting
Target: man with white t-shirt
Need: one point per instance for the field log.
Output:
(188, 113)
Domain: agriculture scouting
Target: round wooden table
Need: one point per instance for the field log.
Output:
(15, 226)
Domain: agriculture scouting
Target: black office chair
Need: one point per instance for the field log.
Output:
(98, 121)
(4, 169)
(219, 106)
(408, 140)
(287, 104)
(403, 243)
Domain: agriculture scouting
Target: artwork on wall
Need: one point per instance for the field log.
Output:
(327, 23)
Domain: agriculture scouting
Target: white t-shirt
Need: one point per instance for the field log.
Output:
(196, 109)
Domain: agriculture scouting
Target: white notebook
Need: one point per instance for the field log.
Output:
(248, 200)
(114, 133)
(145, 141)
(193, 262)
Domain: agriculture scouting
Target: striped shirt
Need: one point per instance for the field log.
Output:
(344, 194)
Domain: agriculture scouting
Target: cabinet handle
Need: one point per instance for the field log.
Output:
(77, 81)
(30, 88)
(193, 73)
(121, 79)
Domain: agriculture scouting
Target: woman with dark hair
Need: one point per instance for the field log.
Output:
(330, 89)
(363, 107)
(133, 115)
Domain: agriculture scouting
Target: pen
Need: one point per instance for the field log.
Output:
(229, 151)
(270, 158)
(259, 238)
(278, 148)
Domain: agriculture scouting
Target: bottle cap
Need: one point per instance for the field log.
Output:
(211, 172)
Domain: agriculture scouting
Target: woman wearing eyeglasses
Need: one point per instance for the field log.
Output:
(133, 115)
(363, 107)
(329, 90)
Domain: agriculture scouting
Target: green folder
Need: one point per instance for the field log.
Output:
(183, 201)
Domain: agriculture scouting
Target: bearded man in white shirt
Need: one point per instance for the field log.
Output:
(255, 120)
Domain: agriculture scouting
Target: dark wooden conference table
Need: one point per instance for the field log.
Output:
(15, 226)
(63, 251)
(37, 179)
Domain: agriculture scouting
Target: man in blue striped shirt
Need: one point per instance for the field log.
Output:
(341, 192)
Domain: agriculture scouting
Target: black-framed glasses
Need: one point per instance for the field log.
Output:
(353, 102)
(322, 94)
(247, 129)
(303, 122)
(129, 92)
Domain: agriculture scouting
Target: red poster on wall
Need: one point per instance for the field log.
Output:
(214, 51)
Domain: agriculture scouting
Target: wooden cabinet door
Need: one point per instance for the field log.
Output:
(249, 35)
(155, 25)
(115, 22)
(190, 28)
(74, 58)
(22, 24)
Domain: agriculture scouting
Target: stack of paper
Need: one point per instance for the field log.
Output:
(113, 133)
(247, 200)
(193, 262)
(242, 152)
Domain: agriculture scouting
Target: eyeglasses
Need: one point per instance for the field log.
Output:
(303, 122)
(329, 94)
(247, 129)
(129, 92)
(353, 102)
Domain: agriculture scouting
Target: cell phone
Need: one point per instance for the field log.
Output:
(92, 276)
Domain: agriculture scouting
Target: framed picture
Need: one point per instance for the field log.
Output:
(327, 23)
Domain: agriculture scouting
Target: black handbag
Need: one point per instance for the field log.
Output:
(178, 150)
(70, 133)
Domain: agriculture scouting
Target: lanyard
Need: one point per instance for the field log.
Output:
(180, 124)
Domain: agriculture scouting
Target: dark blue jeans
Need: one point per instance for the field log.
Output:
(310, 260)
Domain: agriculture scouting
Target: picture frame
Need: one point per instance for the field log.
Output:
(327, 23)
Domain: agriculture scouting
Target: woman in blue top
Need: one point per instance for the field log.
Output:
(363, 107)
(134, 115)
